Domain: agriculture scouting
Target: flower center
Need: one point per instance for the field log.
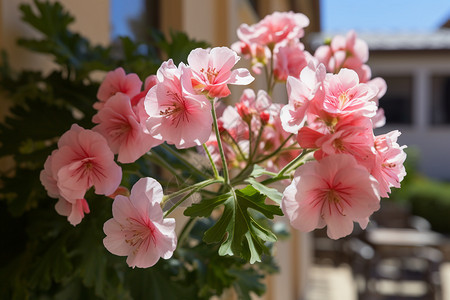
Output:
(338, 144)
(176, 111)
(343, 98)
(209, 74)
(139, 233)
(333, 199)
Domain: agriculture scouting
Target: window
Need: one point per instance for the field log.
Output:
(397, 102)
(440, 100)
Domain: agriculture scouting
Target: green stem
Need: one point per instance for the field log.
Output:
(250, 137)
(159, 160)
(270, 85)
(250, 155)
(258, 138)
(190, 166)
(219, 143)
(276, 150)
(241, 153)
(213, 165)
(188, 188)
(275, 179)
(195, 187)
(293, 162)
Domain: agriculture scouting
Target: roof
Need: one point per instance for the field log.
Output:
(437, 40)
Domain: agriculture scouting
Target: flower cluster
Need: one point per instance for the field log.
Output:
(320, 145)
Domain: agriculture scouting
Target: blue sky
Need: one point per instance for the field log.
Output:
(338, 15)
(383, 15)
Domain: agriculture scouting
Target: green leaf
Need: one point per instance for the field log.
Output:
(247, 281)
(178, 47)
(237, 228)
(54, 264)
(257, 171)
(206, 206)
(272, 193)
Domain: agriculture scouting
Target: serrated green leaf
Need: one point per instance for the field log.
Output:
(272, 193)
(206, 206)
(237, 229)
(254, 199)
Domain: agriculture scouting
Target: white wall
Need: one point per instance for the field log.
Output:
(432, 142)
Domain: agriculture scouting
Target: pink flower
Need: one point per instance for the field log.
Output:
(120, 124)
(83, 160)
(333, 192)
(389, 169)
(258, 54)
(345, 52)
(138, 229)
(379, 83)
(211, 71)
(74, 211)
(274, 28)
(289, 60)
(176, 114)
(344, 95)
(117, 81)
(302, 92)
(48, 179)
(351, 135)
(150, 82)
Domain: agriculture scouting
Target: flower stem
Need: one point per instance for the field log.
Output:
(213, 165)
(186, 189)
(258, 139)
(293, 163)
(219, 143)
(156, 158)
(276, 150)
(190, 166)
(194, 188)
(270, 84)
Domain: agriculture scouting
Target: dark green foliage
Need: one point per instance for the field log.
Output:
(431, 200)
(42, 255)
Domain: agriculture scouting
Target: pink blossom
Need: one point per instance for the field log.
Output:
(302, 92)
(351, 135)
(258, 54)
(379, 83)
(48, 179)
(356, 50)
(344, 95)
(117, 81)
(150, 82)
(274, 28)
(83, 160)
(176, 114)
(211, 71)
(345, 52)
(138, 229)
(74, 211)
(120, 124)
(389, 169)
(333, 192)
(289, 60)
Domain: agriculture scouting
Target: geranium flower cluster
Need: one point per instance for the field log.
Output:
(320, 144)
